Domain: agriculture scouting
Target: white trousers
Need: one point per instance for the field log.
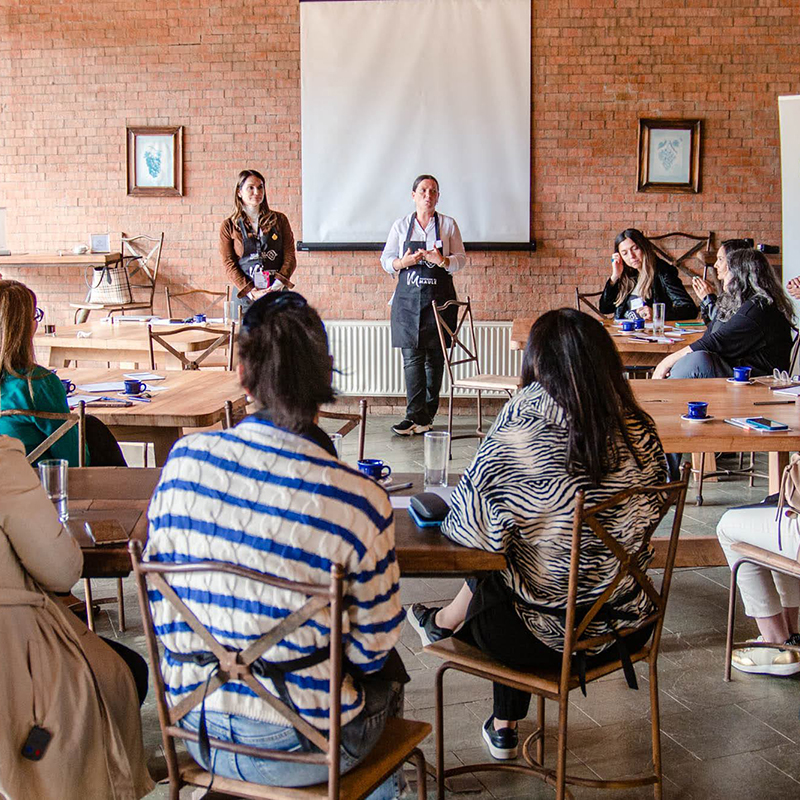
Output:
(764, 592)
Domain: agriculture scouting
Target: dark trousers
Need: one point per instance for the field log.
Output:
(135, 663)
(103, 447)
(494, 626)
(424, 369)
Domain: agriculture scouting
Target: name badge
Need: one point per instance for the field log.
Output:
(438, 244)
(636, 302)
(260, 280)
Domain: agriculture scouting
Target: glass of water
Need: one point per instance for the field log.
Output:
(53, 475)
(336, 438)
(659, 315)
(437, 457)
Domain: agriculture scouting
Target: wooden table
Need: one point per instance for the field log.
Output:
(121, 342)
(633, 352)
(69, 259)
(193, 399)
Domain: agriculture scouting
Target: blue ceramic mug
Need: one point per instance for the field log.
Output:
(374, 468)
(199, 318)
(638, 324)
(697, 410)
(742, 374)
(132, 386)
(628, 325)
(68, 385)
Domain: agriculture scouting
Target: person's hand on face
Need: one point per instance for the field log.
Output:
(645, 312)
(701, 288)
(793, 287)
(616, 267)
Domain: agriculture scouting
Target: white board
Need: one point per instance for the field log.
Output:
(789, 108)
(395, 88)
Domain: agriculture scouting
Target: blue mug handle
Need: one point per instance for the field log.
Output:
(387, 473)
(142, 387)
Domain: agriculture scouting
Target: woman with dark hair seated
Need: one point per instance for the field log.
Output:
(705, 290)
(24, 384)
(752, 325)
(271, 495)
(639, 278)
(574, 425)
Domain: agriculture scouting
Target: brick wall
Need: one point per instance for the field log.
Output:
(73, 75)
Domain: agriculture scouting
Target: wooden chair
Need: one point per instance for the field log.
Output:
(459, 352)
(207, 300)
(70, 420)
(397, 744)
(557, 684)
(226, 338)
(750, 554)
(585, 299)
(141, 255)
(697, 245)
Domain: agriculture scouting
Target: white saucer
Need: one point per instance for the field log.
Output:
(697, 419)
(741, 383)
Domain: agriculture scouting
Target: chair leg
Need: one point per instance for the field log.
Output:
(540, 719)
(655, 722)
(422, 774)
(439, 732)
(731, 617)
(450, 420)
(561, 755)
(699, 498)
(87, 589)
(120, 605)
(752, 469)
(480, 413)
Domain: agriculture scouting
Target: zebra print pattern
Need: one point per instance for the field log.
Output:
(517, 498)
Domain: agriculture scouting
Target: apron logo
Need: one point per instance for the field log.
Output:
(415, 279)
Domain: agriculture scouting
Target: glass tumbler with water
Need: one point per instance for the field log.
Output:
(659, 315)
(53, 475)
(336, 440)
(437, 457)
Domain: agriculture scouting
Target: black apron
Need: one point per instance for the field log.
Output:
(262, 253)
(413, 323)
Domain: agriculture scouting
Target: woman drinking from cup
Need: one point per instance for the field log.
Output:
(256, 243)
(26, 385)
(423, 252)
(752, 325)
(639, 279)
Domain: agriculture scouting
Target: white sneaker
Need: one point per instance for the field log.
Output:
(766, 660)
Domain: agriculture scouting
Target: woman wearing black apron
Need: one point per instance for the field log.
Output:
(256, 243)
(422, 252)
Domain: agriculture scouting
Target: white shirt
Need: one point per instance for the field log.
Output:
(452, 246)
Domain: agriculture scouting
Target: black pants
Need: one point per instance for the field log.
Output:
(494, 626)
(103, 447)
(136, 664)
(424, 369)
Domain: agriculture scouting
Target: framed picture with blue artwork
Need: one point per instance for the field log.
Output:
(669, 155)
(155, 161)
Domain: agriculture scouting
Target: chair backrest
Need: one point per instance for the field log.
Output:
(351, 422)
(142, 256)
(670, 246)
(585, 299)
(458, 352)
(196, 301)
(69, 421)
(237, 664)
(226, 337)
(113, 483)
(666, 495)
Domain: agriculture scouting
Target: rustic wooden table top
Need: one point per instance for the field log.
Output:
(68, 258)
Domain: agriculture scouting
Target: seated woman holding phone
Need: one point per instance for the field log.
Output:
(639, 279)
(574, 425)
(752, 325)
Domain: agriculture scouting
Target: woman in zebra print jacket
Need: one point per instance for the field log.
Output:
(574, 425)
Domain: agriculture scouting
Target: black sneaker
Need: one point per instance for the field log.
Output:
(408, 428)
(503, 744)
(422, 619)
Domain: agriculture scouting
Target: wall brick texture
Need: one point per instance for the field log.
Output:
(73, 75)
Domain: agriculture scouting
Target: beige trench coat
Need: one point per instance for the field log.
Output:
(55, 672)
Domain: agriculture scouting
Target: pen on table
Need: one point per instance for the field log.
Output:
(399, 486)
(127, 399)
(774, 403)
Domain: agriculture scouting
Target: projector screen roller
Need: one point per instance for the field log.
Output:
(395, 88)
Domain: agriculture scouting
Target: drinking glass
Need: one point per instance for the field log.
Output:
(53, 475)
(437, 457)
(659, 315)
(336, 438)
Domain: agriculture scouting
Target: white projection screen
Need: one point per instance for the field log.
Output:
(395, 88)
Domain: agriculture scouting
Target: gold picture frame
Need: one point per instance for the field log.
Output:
(669, 155)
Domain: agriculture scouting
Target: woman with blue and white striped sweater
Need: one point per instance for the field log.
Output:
(271, 495)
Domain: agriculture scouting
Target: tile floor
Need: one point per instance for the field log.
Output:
(735, 741)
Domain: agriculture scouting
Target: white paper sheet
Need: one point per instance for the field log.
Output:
(109, 386)
(143, 376)
(74, 399)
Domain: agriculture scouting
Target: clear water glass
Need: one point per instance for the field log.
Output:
(437, 457)
(659, 316)
(53, 475)
(336, 438)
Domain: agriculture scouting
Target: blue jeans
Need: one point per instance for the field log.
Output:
(701, 364)
(382, 700)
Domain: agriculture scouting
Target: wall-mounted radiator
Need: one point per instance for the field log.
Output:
(367, 365)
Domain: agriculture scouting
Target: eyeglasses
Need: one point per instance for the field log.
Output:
(270, 304)
(783, 376)
(38, 314)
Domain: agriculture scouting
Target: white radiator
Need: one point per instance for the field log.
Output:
(366, 364)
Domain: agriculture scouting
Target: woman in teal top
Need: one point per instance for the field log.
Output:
(25, 384)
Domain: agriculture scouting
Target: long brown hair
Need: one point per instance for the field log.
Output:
(17, 326)
(266, 217)
(573, 358)
(643, 282)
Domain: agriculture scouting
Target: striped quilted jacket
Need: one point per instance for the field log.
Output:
(273, 501)
(517, 498)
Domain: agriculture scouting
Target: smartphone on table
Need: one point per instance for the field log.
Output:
(764, 424)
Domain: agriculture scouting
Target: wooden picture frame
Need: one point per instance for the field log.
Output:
(669, 155)
(155, 161)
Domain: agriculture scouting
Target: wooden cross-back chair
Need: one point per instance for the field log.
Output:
(558, 683)
(586, 299)
(226, 337)
(69, 419)
(397, 744)
(459, 352)
(208, 300)
(679, 257)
